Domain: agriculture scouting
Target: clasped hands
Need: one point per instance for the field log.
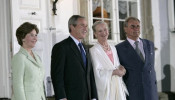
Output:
(121, 71)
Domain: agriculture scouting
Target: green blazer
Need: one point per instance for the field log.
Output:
(27, 77)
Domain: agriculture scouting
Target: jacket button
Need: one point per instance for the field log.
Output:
(150, 71)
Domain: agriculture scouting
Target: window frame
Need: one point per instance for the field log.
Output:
(115, 25)
(128, 14)
(113, 20)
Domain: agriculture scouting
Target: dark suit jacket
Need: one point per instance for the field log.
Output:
(71, 79)
(140, 77)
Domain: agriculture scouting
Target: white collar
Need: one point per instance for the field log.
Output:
(132, 41)
(75, 40)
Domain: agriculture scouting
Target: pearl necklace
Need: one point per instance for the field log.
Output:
(106, 47)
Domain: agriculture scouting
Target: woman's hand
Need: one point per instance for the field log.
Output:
(120, 71)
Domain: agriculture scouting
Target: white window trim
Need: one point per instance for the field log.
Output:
(115, 22)
(115, 31)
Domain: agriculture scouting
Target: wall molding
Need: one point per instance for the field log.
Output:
(5, 56)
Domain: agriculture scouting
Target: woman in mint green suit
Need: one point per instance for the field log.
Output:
(27, 69)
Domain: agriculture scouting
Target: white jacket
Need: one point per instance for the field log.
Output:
(108, 87)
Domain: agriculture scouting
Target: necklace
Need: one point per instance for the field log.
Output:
(106, 47)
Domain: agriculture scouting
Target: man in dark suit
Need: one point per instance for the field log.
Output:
(137, 56)
(71, 69)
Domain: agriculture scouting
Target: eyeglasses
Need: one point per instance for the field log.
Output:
(134, 26)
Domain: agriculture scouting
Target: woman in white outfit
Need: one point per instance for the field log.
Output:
(107, 69)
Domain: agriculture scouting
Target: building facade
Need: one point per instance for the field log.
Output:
(157, 22)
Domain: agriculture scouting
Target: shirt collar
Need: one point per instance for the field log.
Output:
(132, 41)
(75, 40)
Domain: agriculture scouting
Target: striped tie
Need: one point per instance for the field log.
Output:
(82, 53)
(138, 50)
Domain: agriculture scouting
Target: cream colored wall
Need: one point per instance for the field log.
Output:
(5, 54)
(164, 41)
(172, 60)
(172, 42)
(65, 9)
(156, 23)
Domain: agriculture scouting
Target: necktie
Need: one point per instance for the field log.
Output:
(138, 50)
(82, 53)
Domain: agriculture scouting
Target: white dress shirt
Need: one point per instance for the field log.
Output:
(140, 45)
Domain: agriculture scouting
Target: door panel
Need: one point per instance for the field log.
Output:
(36, 12)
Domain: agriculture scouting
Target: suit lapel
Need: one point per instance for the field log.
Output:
(88, 60)
(129, 48)
(36, 62)
(146, 51)
(76, 51)
(38, 59)
(132, 51)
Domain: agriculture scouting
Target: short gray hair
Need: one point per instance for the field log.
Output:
(130, 18)
(73, 21)
(97, 23)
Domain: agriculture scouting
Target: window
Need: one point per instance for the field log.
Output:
(126, 8)
(102, 10)
(113, 12)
